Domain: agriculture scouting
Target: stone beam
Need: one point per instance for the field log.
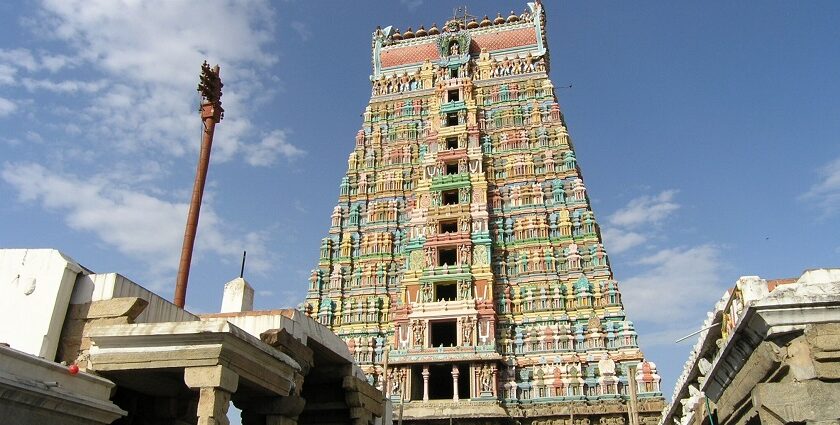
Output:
(208, 343)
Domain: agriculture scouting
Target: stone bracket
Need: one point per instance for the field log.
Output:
(211, 377)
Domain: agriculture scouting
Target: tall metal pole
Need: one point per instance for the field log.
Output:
(211, 110)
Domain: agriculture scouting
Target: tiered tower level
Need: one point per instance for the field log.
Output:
(464, 266)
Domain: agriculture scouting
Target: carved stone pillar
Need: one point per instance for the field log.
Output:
(455, 373)
(215, 385)
(425, 382)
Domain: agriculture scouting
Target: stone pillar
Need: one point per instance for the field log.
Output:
(425, 382)
(455, 373)
(632, 407)
(238, 296)
(215, 385)
(475, 384)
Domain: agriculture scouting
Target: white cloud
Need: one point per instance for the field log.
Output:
(825, 194)
(272, 145)
(54, 63)
(638, 221)
(21, 58)
(7, 107)
(145, 59)
(677, 287)
(34, 137)
(645, 210)
(29, 61)
(622, 240)
(7, 74)
(411, 4)
(135, 223)
(302, 30)
(66, 86)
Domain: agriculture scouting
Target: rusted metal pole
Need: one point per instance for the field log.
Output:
(211, 113)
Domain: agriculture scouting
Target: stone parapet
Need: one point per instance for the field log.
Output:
(37, 391)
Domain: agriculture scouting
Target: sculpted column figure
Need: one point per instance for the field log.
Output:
(425, 382)
(455, 373)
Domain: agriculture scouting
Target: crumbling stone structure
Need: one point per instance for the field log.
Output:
(769, 353)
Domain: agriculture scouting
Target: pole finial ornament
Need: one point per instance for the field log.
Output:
(210, 86)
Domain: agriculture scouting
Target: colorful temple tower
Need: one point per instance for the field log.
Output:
(464, 266)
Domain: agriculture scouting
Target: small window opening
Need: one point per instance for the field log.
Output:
(451, 119)
(453, 95)
(447, 256)
(450, 226)
(446, 291)
(444, 332)
(453, 73)
(452, 168)
(450, 197)
(452, 143)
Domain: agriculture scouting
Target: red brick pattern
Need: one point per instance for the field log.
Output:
(409, 54)
(505, 40)
(493, 41)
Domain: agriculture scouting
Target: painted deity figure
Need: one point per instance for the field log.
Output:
(466, 291)
(419, 330)
(426, 294)
(395, 380)
(465, 254)
(454, 48)
(485, 376)
(430, 257)
(467, 331)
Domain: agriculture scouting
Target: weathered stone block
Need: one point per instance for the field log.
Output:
(288, 344)
(129, 307)
(211, 377)
(797, 401)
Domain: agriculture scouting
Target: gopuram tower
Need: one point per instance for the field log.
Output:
(464, 266)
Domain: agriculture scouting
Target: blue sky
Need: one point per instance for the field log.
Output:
(707, 133)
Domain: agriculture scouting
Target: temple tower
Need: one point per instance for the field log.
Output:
(463, 254)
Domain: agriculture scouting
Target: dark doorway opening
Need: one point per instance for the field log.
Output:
(453, 95)
(440, 382)
(450, 226)
(447, 291)
(416, 382)
(453, 72)
(451, 143)
(450, 197)
(452, 168)
(463, 381)
(447, 256)
(451, 119)
(444, 333)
